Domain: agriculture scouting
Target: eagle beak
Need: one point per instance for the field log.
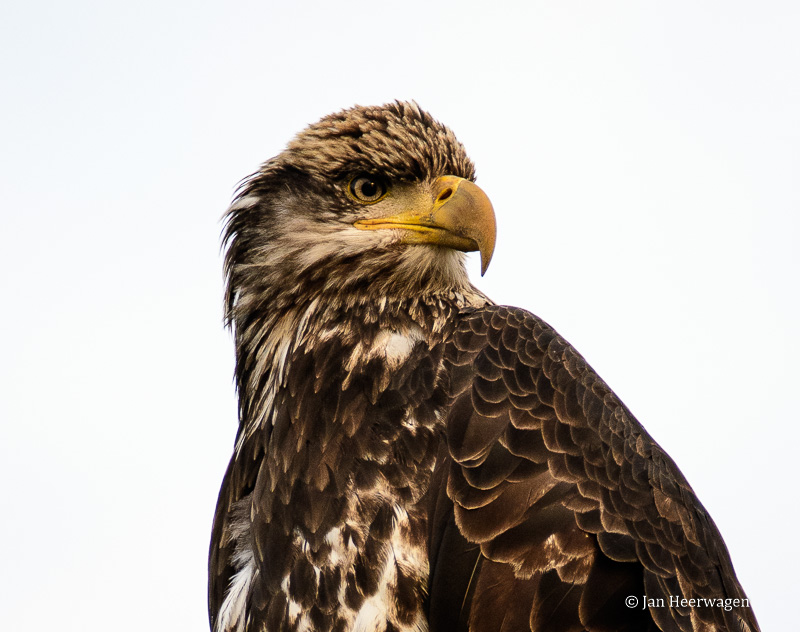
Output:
(458, 215)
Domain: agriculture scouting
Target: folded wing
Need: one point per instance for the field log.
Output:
(551, 504)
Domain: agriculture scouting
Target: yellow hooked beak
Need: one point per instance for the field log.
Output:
(458, 215)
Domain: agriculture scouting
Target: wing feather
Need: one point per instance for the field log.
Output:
(558, 501)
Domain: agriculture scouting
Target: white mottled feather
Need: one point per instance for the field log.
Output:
(232, 613)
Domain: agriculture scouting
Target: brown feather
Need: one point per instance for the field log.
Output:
(633, 531)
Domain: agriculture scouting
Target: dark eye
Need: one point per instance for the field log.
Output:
(368, 189)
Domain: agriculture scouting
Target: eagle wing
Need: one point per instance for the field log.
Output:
(231, 518)
(551, 504)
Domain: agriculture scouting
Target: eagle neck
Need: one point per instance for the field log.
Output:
(270, 330)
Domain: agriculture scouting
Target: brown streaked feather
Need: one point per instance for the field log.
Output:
(567, 496)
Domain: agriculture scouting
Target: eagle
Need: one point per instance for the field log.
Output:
(411, 456)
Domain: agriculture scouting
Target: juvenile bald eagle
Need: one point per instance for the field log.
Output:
(411, 456)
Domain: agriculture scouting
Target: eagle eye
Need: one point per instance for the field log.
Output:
(367, 189)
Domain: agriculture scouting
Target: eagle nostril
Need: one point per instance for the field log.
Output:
(445, 194)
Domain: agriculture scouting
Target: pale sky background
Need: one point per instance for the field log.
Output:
(644, 163)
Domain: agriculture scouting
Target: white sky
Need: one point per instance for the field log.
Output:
(643, 159)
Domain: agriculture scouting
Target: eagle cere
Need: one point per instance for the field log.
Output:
(411, 456)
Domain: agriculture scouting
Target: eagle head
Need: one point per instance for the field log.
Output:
(367, 203)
